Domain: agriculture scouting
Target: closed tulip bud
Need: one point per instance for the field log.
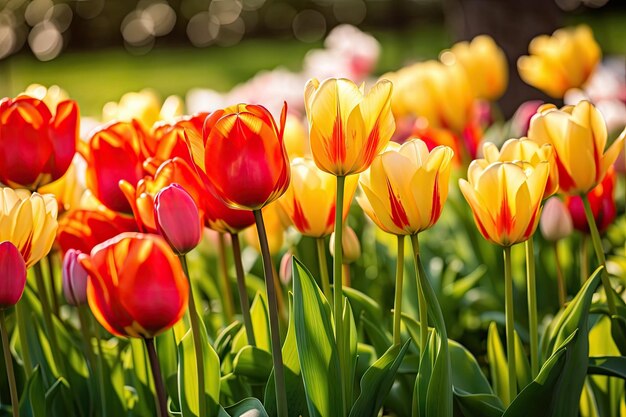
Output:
(347, 127)
(12, 275)
(351, 247)
(247, 141)
(74, 279)
(562, 61)
(505, 198)
(578, 135)
(36, 147)
(286, 268)
(556, 222)
(406, 187)
(136, 286)
(177, 218)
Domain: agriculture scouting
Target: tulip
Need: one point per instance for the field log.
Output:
(556, 221)
(12, 275)
(68, 189)
(296, 138)
(74, 279)
(528, 151)
(464, 144)
(406, 187)
(309, 202)
(348, 128)
(177, 218)
(36, 147)
(602, 202)
(52, 95)
(350, 245)
(579, 136)
(143, 106)
(114, 154)
(29, 221)
(485, 64)
(520, 122)
(505, 198)
(562, 61)
(246, 139)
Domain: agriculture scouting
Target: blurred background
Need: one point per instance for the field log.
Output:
(97, 50)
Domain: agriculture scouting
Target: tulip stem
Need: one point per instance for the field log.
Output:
(337, 282)
(277, 355)
(20, 313)
(86, 333)
(241, 287)
(597, 246)
(560, 279)
(194, 318)
(584, 259)
(227, 296)
(101, 359)
(510, 324)
(8, 360)
(397, 305)
(345, 275)
(532, 308)
(423, 306)
(158, 379)
(53, 284)
(321, 259)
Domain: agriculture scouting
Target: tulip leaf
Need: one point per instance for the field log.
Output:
(607, 365)
(349, 353)
(522, 366)
(378, 335)
(377, 381)
(225, 339)
(498, 364)
(249, 407)
(253, 363)
(296, 397)
(32, 402)
(260, 326)
(188, 376)
(363, 303)
(317, 351)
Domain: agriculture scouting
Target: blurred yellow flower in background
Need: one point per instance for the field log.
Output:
(52, 95)
(296, 138)
(144, 106)
(562, 61)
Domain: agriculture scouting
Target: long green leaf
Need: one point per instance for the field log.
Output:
(249, 407)
(253, 363)
(498, 364)
(608, 365)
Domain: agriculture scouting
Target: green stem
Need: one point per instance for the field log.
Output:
(53, 284)
(597, 246)
(321, 259)
(20, 313)
(337, 282)
(8, 360)
(227, 296)
(84, 329)
(161, 399)
(277, 354)
(100, 356)
(423, 306)
(532, 308)
(560, 279)
(510, 324)
(241, 287)
(397, 306)
(584, 259)
(197, 339)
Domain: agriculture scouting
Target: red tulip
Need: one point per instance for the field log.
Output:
(137, 287)
(177, 218)
(74, 279)
(245, 156)
(36, 147)
(602, 202)
(12, 275)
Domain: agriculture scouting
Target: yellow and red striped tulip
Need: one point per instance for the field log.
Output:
(309, 202)
(562, 61)
(526, 150)
(29, 221)
(136, 287)
(347, 128)
(485, 64)
(406, 187)
(505, 198)
(578, 135)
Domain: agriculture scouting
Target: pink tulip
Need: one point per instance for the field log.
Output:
(74, 279)
(177, 218)
(12, 275)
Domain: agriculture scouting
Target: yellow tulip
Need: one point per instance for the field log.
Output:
(29, 221)
(485, 64)
(309, 202)
(296, 138)
(144, 106)
(526, 150)
(68, 189)
(51, 96)
(406, 187)
(348, 128)
(562, 61)
(505, 198)
(579, 136)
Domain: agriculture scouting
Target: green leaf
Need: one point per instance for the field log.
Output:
(350, 352)
(33, 401)
(607, 365)
(253, 363)
(377, 382)
(379, 337)
(260, 326)
(188, 376)
(498, 364)
(363, 303)
(249, 407)
(522, 366)
(138, 379)
(478, 405)
(224, 340)
(317, 351)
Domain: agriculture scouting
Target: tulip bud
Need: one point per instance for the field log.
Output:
(349, 243)
(177, 218)
(556, 222)
(75, 279)
(285, 268)
(12, 275)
